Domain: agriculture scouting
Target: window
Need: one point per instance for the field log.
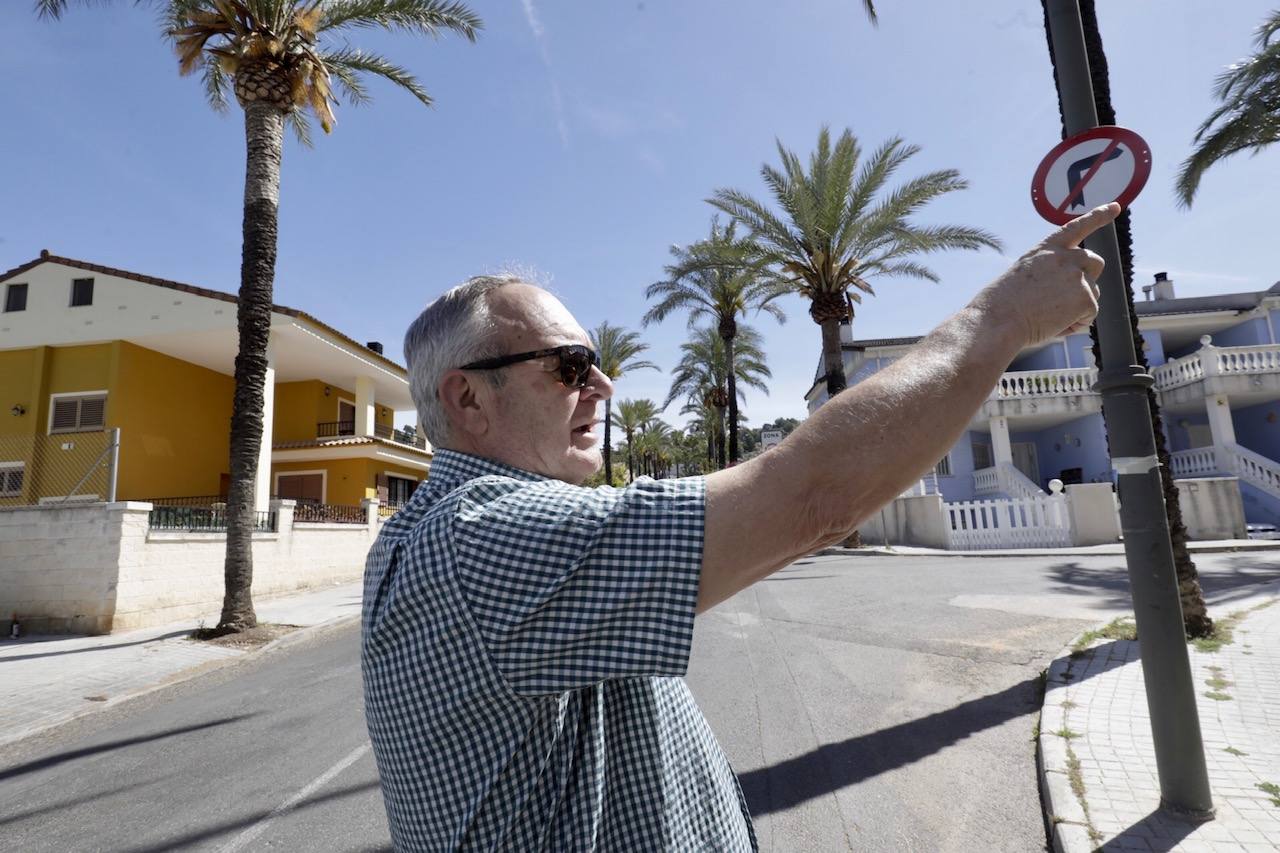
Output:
(399, 490)
(11, 479)
(77, 414)
(81, 292)
(15, 298)
(981, 456)
(943, 468)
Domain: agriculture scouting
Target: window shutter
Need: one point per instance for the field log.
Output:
(10, 481)
(65, 413)
(92, 412)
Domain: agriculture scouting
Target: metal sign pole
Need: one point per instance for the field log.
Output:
(1166, 666)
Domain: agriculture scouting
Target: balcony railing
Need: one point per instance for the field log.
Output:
(1021, 384)
(341, 429)
(329, 513)
(203, 515)
(1217, 361)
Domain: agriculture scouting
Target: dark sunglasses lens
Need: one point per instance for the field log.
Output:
(575, 364)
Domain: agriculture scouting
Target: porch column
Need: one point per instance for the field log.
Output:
(1220, 426)
(1001, 449)
(364, 405)
(262, 485)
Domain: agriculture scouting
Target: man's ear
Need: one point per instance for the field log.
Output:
(465, 407)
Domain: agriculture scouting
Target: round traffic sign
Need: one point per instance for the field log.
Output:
(1095, 167)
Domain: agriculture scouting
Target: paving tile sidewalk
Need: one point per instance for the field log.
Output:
(46, 680)
(1100, 698)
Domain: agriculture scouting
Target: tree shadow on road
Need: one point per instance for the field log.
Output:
(834, 766)
(109, 746)
(1240, 578)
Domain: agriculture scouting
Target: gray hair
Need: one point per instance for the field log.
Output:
(452, 331)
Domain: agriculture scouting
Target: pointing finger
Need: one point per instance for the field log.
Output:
(1091, 264)
(1070, 235)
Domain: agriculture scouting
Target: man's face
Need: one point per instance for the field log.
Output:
(538, 423)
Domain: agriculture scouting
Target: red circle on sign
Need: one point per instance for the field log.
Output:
(1118, 136)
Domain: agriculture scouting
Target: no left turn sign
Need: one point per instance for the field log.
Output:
(1095, 167)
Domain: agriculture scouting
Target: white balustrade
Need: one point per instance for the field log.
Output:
(1253, 468)
(986, 481)
(1019, 384)
(1196, 462)
(1180, 371)
(1248, 360)
(1041, 522)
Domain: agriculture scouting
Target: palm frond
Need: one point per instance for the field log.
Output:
(427, 17)
(301, 126)
(355, 61)
(216, 84)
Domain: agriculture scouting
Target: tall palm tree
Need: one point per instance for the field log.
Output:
(634, 416)
(836, 227)
(716, 279)
(1249, 116)
(281, 59)
(702, 374)
(1195, 616)
(618, 350)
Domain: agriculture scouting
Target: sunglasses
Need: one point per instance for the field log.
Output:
(575, 362)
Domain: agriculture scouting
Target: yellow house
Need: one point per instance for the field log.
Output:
(87, 349)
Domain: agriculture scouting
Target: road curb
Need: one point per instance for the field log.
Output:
(181, 676)
(877, 551)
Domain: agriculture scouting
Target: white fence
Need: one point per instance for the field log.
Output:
(1033, 522)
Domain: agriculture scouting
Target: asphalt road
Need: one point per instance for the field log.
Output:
(868, 703)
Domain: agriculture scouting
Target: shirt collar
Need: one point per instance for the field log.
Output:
(456, 465)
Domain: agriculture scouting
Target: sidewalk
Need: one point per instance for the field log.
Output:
(47, 680)
(1098, 772)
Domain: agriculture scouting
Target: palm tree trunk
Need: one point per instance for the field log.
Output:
(733, 401)
(720, 437)
(264, 138)
(631, 462)
(832, 357)
(608, 449)
(1195, 617)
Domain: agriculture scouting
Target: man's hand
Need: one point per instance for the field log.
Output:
(1052, 289)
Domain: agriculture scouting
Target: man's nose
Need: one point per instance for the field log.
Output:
(599, 385)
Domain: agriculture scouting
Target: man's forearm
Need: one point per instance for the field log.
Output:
(862, 448)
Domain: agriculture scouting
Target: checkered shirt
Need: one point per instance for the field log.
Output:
(524, 642)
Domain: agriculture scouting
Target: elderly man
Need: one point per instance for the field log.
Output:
(525, 638)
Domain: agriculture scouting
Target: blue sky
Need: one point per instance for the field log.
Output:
(580, 140)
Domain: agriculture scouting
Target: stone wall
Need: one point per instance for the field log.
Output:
(92, 569)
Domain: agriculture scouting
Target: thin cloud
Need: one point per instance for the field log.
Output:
(540, 37)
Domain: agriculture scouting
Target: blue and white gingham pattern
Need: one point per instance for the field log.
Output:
(523, 646)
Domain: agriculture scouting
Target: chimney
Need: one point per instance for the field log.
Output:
(846, 333)
(1162, 286)
(376, 346)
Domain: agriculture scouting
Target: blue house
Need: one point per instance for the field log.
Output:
(1216, 364)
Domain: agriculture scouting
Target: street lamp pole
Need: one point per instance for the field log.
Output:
(1166, 666)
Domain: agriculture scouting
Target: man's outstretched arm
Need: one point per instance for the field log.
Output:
(863, 447)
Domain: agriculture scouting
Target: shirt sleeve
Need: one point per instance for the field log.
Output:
(570, 586)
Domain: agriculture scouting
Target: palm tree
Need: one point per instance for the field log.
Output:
(1195, 616)
(716, 279)
(273, 55)
(633, 416)
(702, 375)
(837, 229)
(1249, 116)
(618, 350)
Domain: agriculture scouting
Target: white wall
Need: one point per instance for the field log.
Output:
(1212, 508)
(98, 568)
